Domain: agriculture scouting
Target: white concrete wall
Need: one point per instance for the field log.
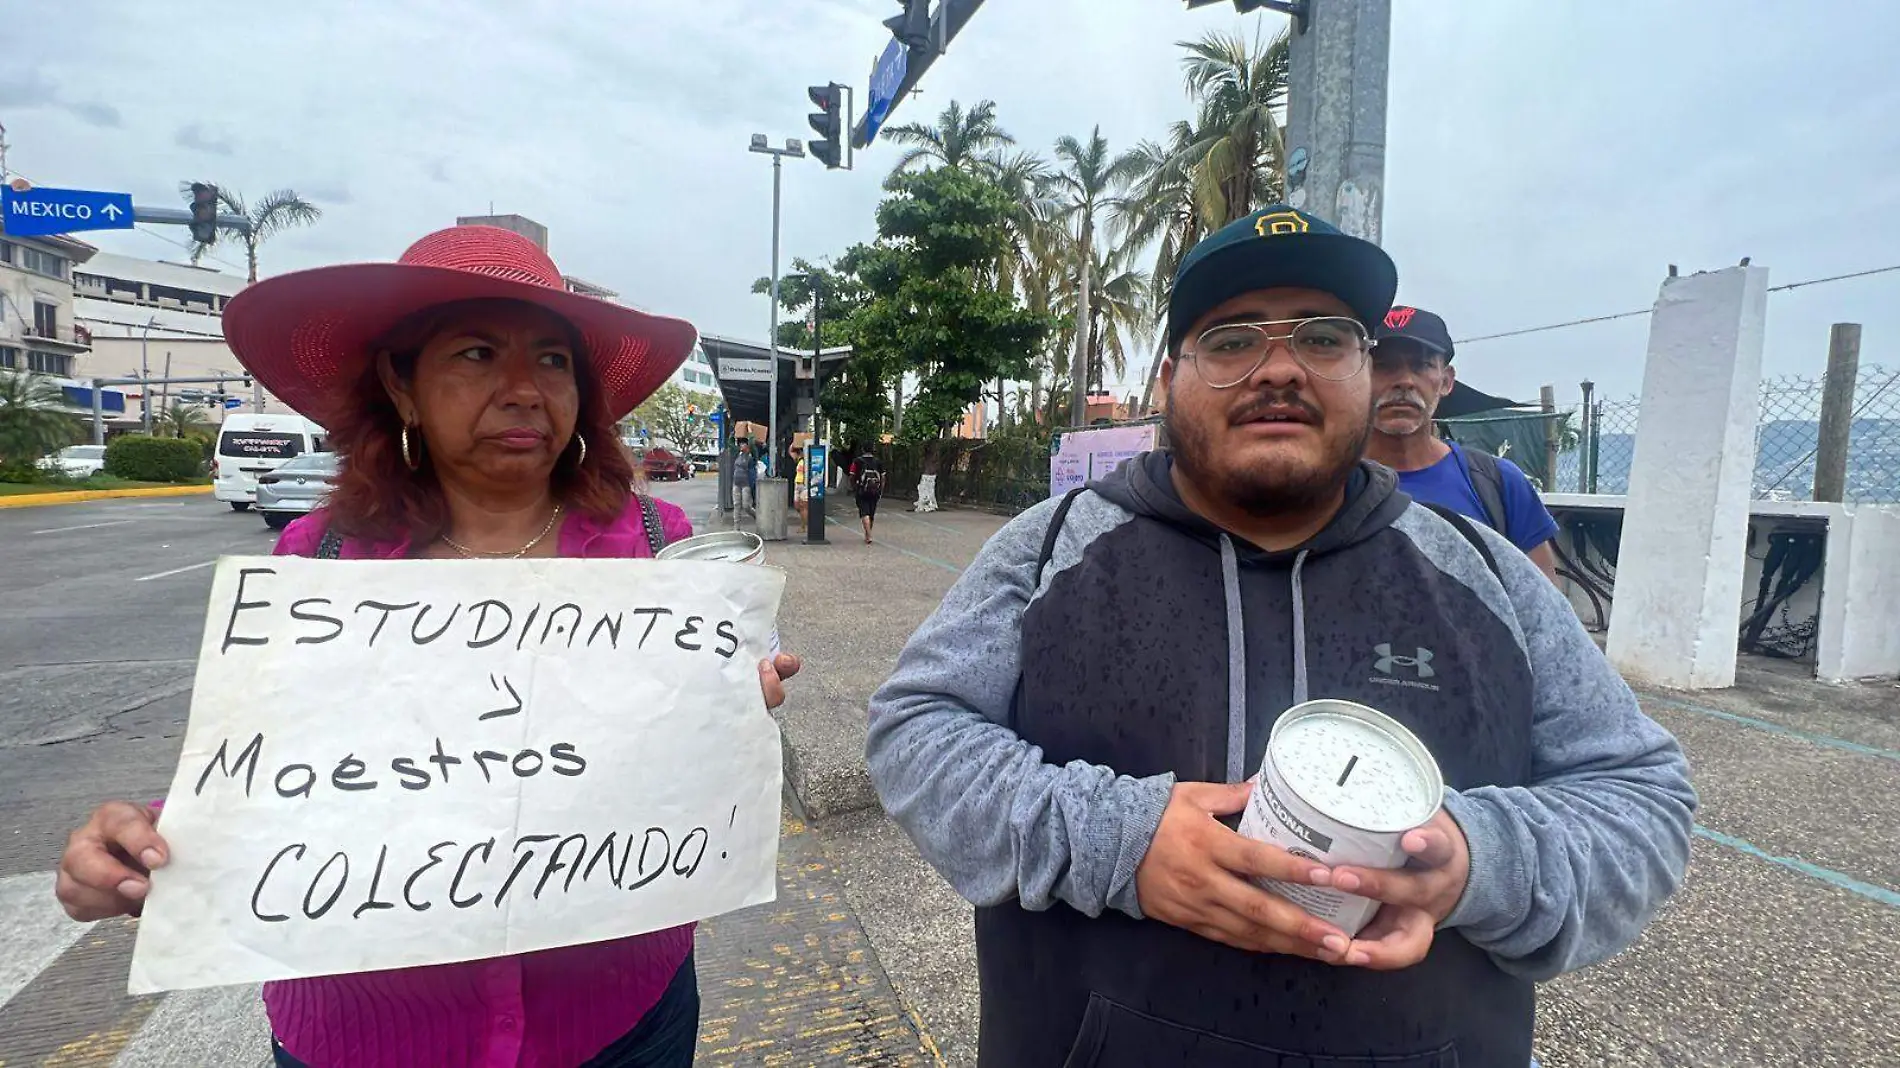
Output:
(1868, 584)
(1681, 559)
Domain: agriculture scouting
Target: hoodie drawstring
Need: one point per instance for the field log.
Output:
(1236, 664)
(1299, 632)
(1237, 654)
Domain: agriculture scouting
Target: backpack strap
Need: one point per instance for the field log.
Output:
(650, 518)
(1055, 528)
(1463, 526)
(330, 547)
(1488, 480)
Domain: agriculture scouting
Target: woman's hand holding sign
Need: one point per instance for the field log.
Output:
(772, 676)
(105, 871)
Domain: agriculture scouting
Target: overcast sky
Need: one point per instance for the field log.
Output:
(1546, 161)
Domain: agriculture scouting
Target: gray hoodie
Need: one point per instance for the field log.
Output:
(1036, 722)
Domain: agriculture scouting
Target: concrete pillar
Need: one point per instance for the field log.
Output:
(1680, 565)
(1866, 578)
(774, 502)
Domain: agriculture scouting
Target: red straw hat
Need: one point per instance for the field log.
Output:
(306, 335)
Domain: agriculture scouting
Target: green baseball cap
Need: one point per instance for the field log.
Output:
(1277, 247)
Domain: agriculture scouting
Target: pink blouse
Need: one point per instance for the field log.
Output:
(552, 1009)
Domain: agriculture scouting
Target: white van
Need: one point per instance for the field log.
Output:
(250, 445)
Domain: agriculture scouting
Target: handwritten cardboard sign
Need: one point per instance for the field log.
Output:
(396, 763)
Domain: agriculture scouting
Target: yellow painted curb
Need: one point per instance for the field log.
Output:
(34, 500)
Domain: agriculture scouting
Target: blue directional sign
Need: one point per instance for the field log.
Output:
(233, 403)
(41, 211)
(885, 78)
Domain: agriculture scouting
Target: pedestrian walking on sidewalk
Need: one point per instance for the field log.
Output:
(1411, 374)
(1069, 736)
(745, 468)
(867, 485)
(472, 402)
(801, 493)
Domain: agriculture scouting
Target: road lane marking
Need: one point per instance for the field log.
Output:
(174, 571)
(86, 526)
(1813, 871)
(1826, 740)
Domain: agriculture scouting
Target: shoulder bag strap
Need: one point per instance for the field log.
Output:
(650, 517)
(331, 545)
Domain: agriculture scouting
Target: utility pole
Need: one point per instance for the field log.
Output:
(1837, 412)
(797, 151)
(1335, 131)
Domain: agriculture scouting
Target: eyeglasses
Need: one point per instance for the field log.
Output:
(1331, 347)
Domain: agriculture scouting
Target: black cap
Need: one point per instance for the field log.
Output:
(1275, 247)
(1418, 325)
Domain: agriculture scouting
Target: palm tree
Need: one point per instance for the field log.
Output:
(32, 422)
(273, 214)
(962, 139)
(182, 420)
(1237, 156)
(1085, 180)
(1119, 308)
(1160, 210)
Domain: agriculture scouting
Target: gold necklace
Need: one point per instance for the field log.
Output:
(471, 554)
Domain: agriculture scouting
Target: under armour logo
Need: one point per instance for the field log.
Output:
(1421, 664)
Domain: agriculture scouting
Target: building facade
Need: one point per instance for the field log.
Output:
(158, 319)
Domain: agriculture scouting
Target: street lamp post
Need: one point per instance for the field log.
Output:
(795, 149)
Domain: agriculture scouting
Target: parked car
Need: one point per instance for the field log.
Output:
(76, 461)
(297, 486)
(706, 460)
(663, 464)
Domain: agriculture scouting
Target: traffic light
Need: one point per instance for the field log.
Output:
(204, 212)
(913, 26)
(829, 123)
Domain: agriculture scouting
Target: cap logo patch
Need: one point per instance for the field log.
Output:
(1280, 222)
(1400, 318)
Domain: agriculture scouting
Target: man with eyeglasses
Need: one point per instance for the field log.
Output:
(1411, 373)
(1069, 737)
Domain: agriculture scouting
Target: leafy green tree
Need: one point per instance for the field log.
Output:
(935, 305)
(32, 423)
(665, 416)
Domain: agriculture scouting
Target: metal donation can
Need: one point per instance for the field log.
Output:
(724, 546)
(1341, 784)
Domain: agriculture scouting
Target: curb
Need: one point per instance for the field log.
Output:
(36, 500)
(820, 790)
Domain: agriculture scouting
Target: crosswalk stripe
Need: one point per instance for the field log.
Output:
(33, 928)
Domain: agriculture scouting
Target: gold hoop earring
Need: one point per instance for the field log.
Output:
(408, 457)
(582, 461)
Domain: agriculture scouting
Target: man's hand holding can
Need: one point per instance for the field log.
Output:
(1415, 899)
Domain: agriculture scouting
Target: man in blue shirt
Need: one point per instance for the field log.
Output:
(1411, 373)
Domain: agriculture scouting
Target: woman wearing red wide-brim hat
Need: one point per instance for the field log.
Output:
(472, 402)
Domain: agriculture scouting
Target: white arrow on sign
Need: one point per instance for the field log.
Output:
(112, 211)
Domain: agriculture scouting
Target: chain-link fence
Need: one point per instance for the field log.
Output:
(1787, 440)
